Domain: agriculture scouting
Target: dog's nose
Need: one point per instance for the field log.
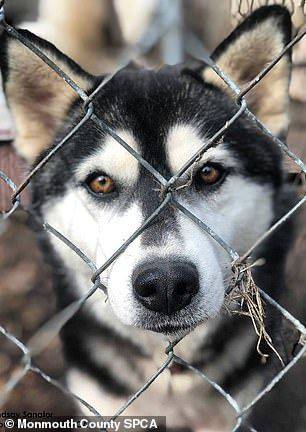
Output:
(165, 286)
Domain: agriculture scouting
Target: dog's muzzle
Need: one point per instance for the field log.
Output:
(165, 286)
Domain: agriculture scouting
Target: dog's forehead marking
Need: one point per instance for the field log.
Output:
(113, 159)
(183, 141)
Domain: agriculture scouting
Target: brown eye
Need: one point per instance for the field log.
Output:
(211, 174)
(101, 184)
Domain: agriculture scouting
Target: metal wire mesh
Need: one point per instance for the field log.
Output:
(239, 263)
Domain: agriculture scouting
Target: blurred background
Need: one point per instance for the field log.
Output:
(102, 37)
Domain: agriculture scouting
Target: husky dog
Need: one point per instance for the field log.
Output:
(171, 280)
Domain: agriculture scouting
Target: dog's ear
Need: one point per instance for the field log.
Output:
(251, 47)
(38, 98)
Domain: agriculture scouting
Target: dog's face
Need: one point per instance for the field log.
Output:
(173, 276)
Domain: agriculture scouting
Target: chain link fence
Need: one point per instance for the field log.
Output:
(160, 25)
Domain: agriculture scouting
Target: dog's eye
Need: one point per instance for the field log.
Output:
(211, 174)
(101, 184)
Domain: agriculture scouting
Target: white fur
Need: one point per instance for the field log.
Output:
(85, 387)
(162, 398)
(113, 159)
(182, 143)
(99, 230)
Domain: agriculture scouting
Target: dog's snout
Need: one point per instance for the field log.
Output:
(165, 286)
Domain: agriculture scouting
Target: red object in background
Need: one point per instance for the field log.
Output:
(14, 167)
(10, 163)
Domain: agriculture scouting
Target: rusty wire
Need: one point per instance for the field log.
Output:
(44, 335)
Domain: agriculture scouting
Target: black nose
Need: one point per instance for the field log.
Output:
(165, 286)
